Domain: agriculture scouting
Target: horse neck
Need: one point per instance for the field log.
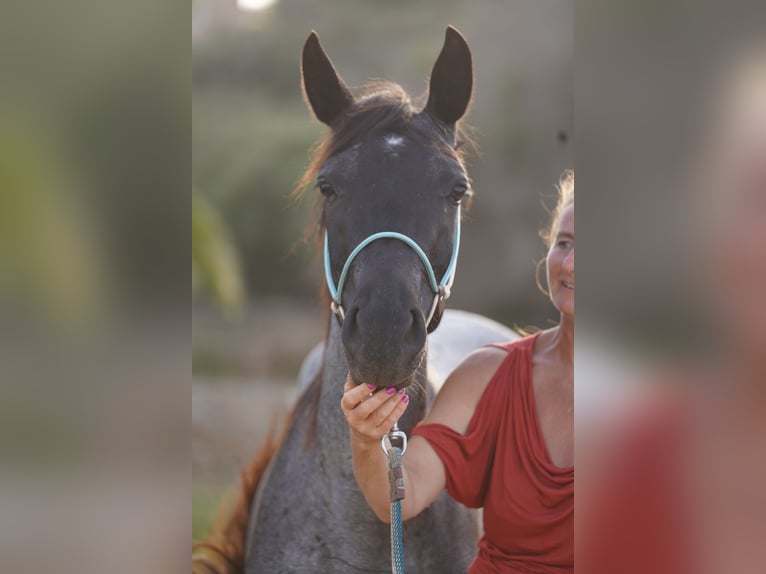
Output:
(331, 427)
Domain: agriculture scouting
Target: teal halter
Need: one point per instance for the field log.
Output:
(441, 289)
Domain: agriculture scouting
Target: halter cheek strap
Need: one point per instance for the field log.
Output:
(441, 289)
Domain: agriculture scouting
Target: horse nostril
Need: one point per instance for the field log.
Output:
(352, 313)
(350, 329)
(415, 333)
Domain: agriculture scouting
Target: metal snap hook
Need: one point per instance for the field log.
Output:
(395, 436)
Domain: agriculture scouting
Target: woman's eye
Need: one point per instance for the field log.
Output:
(459, 192)
(564, 244)
(326, 188)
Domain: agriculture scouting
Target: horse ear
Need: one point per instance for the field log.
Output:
(449, 92)
(325, 91)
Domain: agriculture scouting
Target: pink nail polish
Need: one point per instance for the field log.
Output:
(371, 387)
(390, 390)
(405, 399)
(400, 391)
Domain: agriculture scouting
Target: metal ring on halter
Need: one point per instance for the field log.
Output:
(394, 434)
(337, 310)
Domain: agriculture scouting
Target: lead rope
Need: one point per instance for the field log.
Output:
(394, 445)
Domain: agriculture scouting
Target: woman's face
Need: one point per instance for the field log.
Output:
(559, 264)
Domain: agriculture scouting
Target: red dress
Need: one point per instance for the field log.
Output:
(502, 465)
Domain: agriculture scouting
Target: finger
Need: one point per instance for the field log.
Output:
(394, 415)
(373, 403)
(354, 396)
(352, 386)
(382, 413)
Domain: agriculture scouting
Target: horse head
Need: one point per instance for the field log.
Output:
(391, 182)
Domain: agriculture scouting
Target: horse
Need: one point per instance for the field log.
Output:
(390, 181)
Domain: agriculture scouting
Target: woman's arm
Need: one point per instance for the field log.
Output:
(371, 417)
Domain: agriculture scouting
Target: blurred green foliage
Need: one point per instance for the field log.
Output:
(215, 264)
(100, 87)
(251, 156)
(49, 261)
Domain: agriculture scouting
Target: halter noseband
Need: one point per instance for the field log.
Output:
(441, 289)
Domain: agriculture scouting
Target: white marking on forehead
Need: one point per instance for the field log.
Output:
(393, 141)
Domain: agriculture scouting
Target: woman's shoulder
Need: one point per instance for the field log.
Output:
(525, 343)
(462, 391)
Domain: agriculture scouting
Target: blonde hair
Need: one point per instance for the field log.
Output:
(565, 190)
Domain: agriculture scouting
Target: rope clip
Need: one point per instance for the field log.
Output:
(394, 439)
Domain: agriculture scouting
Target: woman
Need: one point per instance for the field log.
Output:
(499, 435)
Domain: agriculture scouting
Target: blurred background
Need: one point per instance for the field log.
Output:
(94, 332)
(670, 369)
(255, 311)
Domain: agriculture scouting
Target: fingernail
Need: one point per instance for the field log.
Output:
(390, 390)
(400, 391)
(369, 386)
(405, 399)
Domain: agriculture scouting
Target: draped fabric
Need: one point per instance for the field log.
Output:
(502, 464)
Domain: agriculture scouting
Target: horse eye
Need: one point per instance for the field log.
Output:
(326, 188)
(459, 192)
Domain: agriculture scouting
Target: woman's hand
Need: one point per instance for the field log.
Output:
(371, 413)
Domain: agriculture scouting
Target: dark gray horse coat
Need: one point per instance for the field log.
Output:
(389, 167)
